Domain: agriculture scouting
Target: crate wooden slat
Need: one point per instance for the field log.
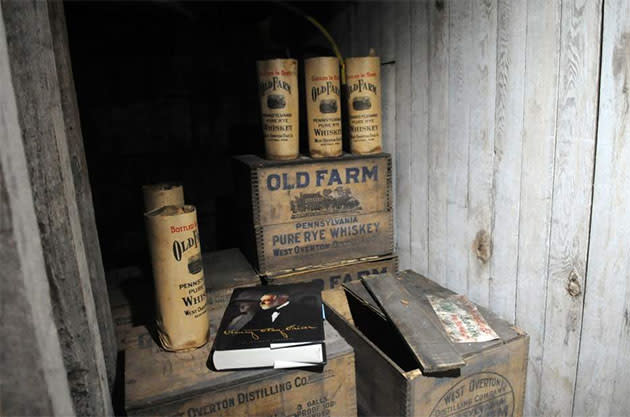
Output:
(338, 273)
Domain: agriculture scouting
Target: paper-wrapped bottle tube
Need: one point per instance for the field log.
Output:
(279, 107)
(323, 106)
(180, 290)
(364, 104)
(160, 195)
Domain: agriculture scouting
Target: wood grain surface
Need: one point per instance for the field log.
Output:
(513, 91)
(34, 379)
(411, 314)
(37, 89)
(604, 364)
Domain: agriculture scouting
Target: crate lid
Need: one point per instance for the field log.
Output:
(402, 300)
(154, 376)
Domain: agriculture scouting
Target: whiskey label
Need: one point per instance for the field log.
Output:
(323, 106)
(180, 290)
(279, 107)
(364, 104)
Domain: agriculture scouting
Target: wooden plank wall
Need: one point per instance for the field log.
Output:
(45, 158)
(491, 113)
(34, 380)
(83, 190)
(603, 383)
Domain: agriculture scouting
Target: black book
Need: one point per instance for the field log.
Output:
(278, 326)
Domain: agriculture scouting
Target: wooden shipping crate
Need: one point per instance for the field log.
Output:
(389, 381)
(334, 275)
(310, 212)
(133, 300)
(180, 384)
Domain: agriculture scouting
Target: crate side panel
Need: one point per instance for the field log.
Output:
(491, 383)
(324, 239)
(300, 191)
(284, 393)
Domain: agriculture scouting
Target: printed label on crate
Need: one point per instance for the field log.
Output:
(482, 394)
(336, 276)
(326, 239)
(300, 191)
(461, 320)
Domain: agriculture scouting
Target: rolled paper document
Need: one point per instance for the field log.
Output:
(323, 106)
(364, 104)
(279, 107)
(160, 195)
(180, 291)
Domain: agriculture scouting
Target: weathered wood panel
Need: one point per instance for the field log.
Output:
(33, 373)
(571, 208)
(539, 128)
(482, 81)
(438, 91)
(419, 138)
(603, 381)
(83, 191)
(507, 150)
(37, 88)
(459, 90)
(402, 209)
(512, 86)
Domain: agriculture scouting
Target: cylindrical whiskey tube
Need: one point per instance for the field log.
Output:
(323, 106)
(160, 195)
(364, 104)
(279, 107)
(180, 290)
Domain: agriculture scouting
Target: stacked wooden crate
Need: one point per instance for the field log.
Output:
(161, 383)
(316, 219)
(399, 364)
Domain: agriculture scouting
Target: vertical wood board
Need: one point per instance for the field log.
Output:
(403, 155)
(603, 369)
(482, 80)
(438, 139)
(510, 75)
(460, 62)
(83, 191)
(419, 138)
(31, 54)
(539, 127)
(34, 380)
(571, 209)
